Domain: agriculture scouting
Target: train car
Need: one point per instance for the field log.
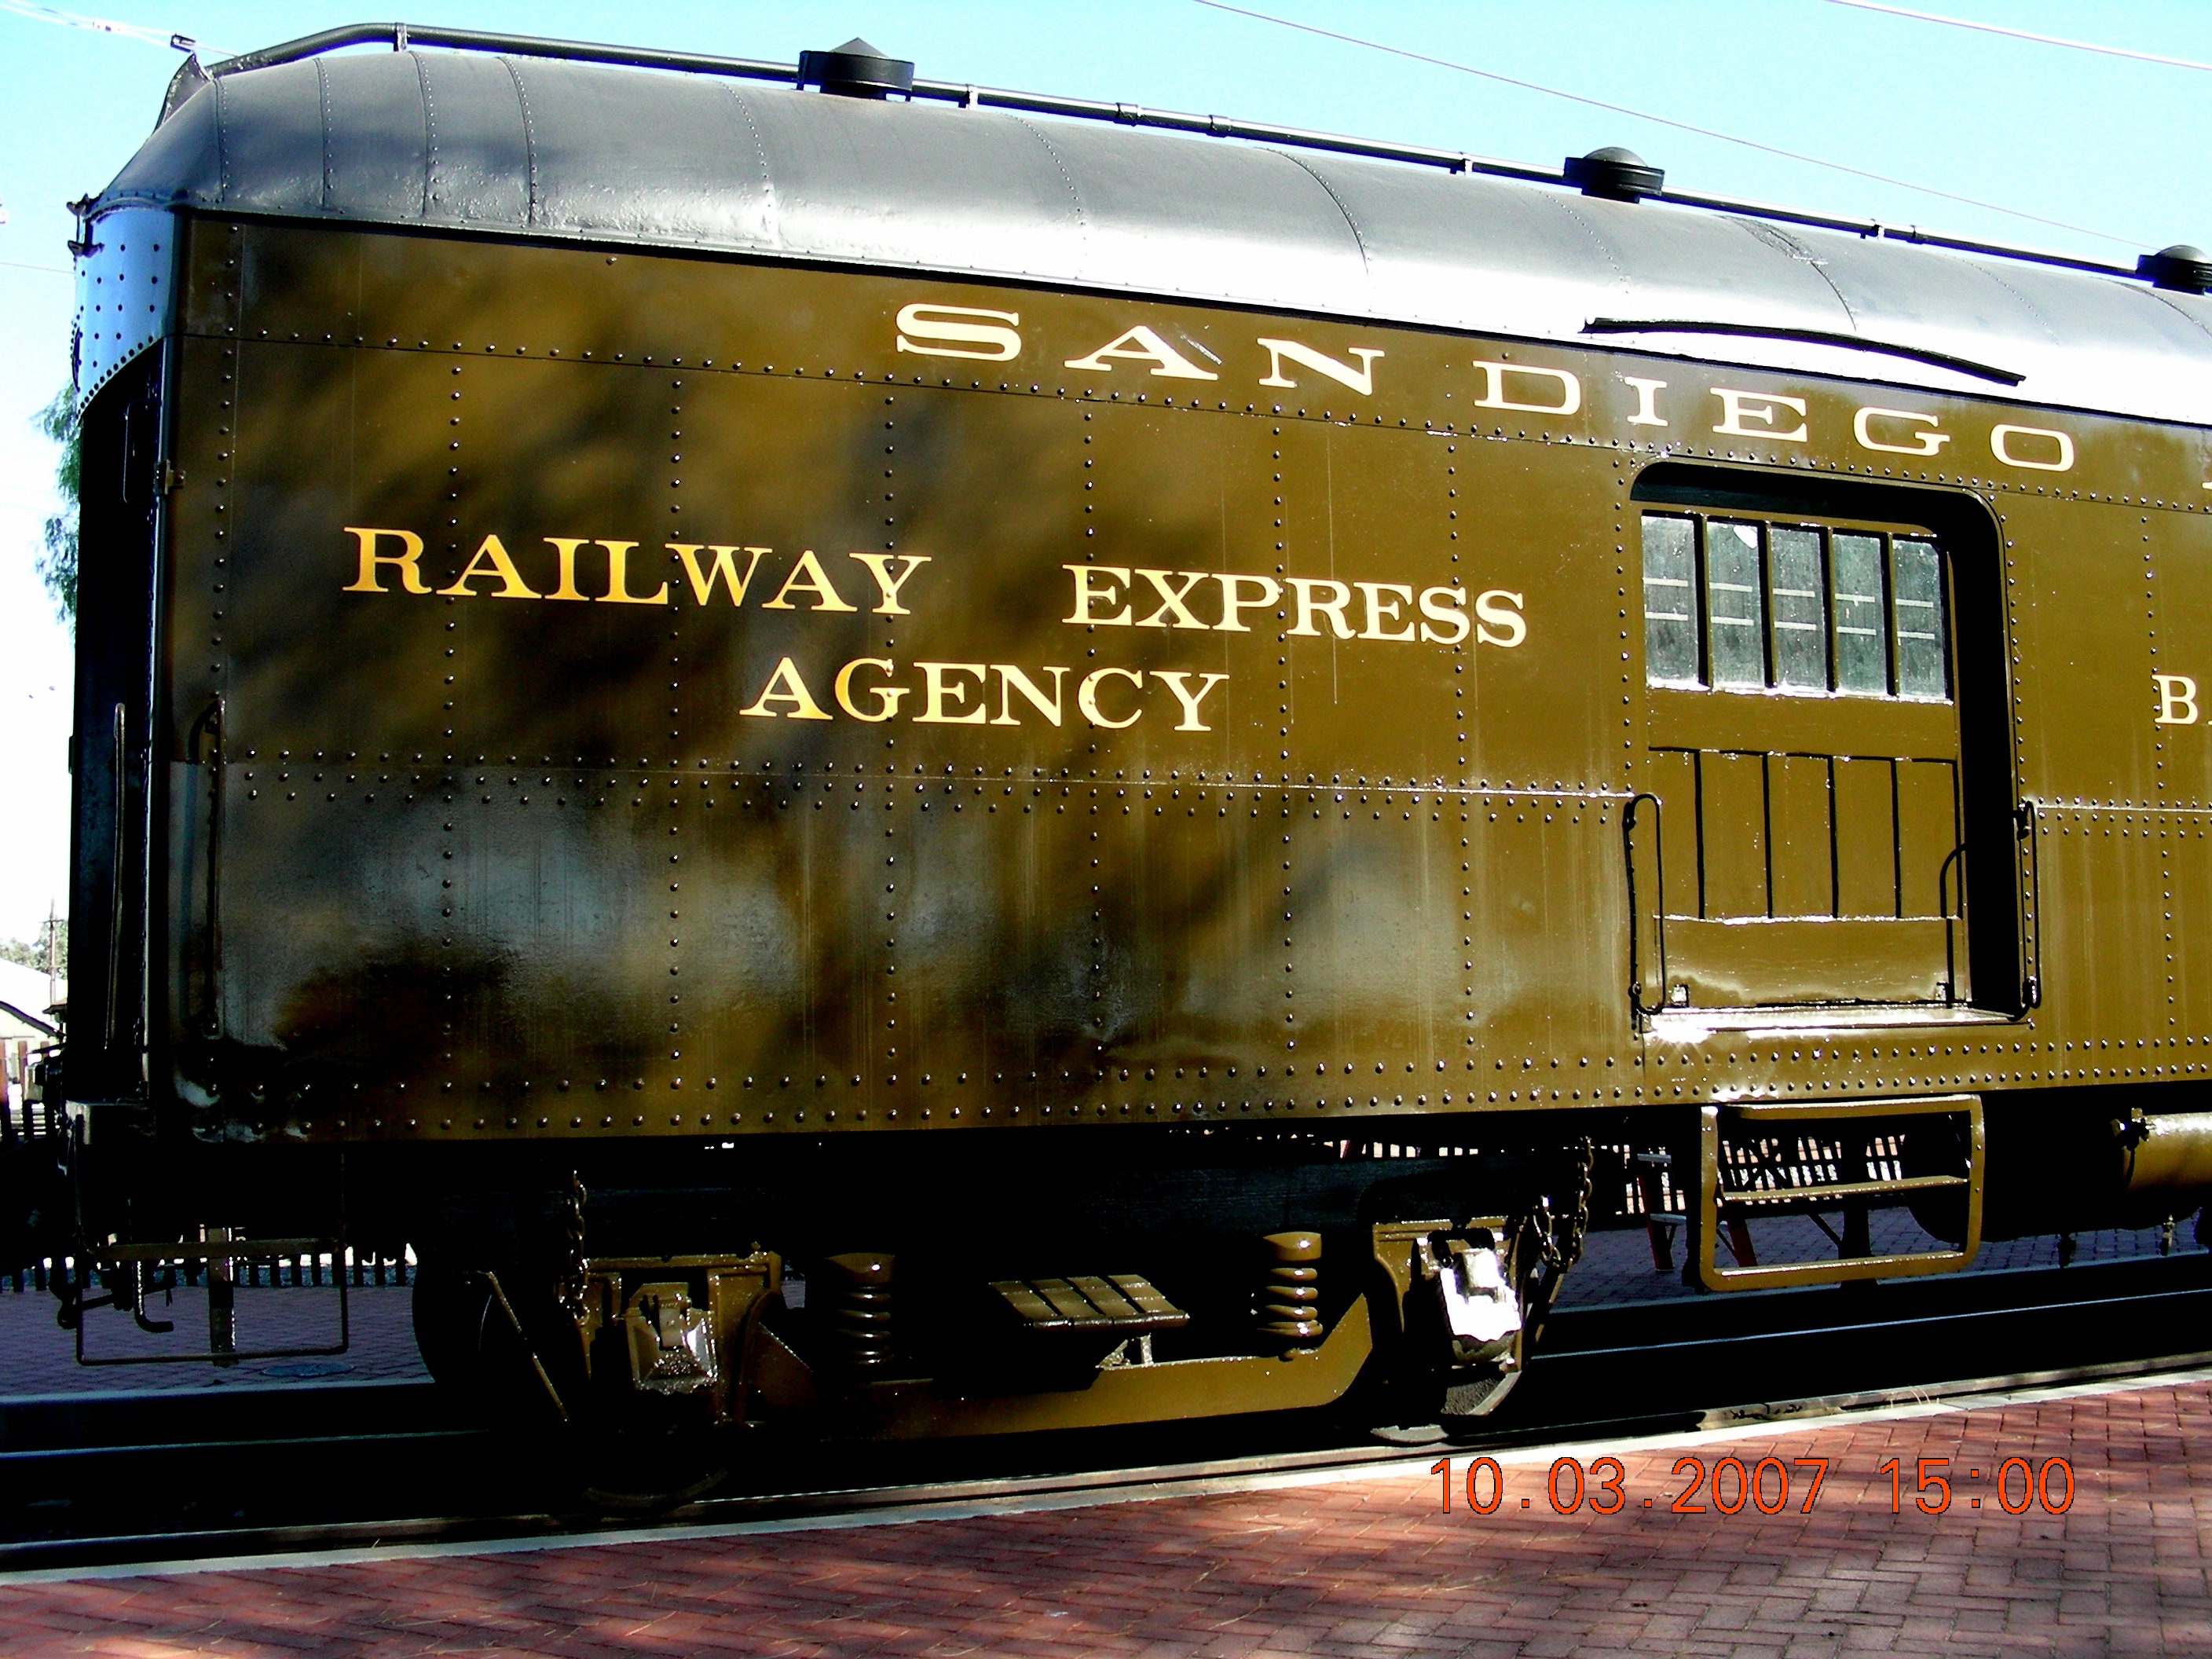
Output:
(875, 758)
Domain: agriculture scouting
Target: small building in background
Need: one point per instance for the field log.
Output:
(28, 1023)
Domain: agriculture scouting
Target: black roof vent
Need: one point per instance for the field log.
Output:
(2182, 267)
(856, 70)
(1616, 174)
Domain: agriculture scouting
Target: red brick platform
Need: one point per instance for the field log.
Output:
(1367, 1565)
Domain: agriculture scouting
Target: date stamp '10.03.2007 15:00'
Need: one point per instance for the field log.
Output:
(1770, 1486)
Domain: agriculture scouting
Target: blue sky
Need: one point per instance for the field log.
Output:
(2101, 144)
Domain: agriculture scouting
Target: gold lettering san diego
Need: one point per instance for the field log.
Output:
(940, 329)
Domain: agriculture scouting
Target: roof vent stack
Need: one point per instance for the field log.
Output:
(856, 70)
(1613, 174)
(2183, 269)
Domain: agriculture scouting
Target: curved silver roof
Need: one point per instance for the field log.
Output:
(531, 146)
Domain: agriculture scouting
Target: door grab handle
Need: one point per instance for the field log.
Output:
(1635, 919)
(1956, 858)
(210, 724)
(118, 780)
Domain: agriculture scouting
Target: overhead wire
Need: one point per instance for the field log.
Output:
(2024, 34)
(1664, 121)
(73, 19)
(44, 14)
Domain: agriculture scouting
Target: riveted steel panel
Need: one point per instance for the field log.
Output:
(2100, 886)
(895, 880)
(2185, 933)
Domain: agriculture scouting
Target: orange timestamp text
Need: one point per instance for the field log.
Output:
(1768, 1485)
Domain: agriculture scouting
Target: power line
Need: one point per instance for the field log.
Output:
(52, 271)
(71, 20)
(2024, 34)
(1661, 120)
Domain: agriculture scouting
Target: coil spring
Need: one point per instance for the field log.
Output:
(1289, 1295)
(860, 1309)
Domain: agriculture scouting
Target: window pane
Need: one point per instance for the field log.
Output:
(1801, 624)
(1735, 604)
(1861, 661)
(1917, 584)
(1670, 601)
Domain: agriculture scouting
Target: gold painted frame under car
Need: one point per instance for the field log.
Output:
(1714, 1206)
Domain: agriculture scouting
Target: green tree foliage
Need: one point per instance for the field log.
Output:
(57, 566)
(32, 953)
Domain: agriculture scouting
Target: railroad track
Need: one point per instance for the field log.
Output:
(125, 1480)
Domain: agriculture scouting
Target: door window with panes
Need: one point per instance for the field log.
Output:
(1804, 751)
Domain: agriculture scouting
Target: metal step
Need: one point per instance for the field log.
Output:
(1119, 1305)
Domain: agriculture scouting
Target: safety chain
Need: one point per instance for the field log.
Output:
(1558, 1253)
(1557, 1248)
(1578, 1223)
(573, 1283)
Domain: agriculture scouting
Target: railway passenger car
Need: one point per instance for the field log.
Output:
(1150, 761)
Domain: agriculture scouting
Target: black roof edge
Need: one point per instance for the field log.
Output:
(402, 37)
(30, 1018)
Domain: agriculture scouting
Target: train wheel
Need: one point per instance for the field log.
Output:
(649, 1469)
(500, 1343)
(449, 1308)
(496, 1347)
(1469, 1397)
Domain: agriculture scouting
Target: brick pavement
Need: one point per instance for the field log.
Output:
(1348, 1567)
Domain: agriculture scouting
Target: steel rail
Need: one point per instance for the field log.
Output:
(401, 37)
(800, 1503)
(1909, 1321)
(155, 1553)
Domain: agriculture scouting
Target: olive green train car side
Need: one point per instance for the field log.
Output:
(922, 771)
(668, 696)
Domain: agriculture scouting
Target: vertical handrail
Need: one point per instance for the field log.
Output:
(1957, 856)
(2031, 900)
(118, 781)
(1658, 915)
(210, 724)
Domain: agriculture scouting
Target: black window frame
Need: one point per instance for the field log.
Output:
(1887, 534)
